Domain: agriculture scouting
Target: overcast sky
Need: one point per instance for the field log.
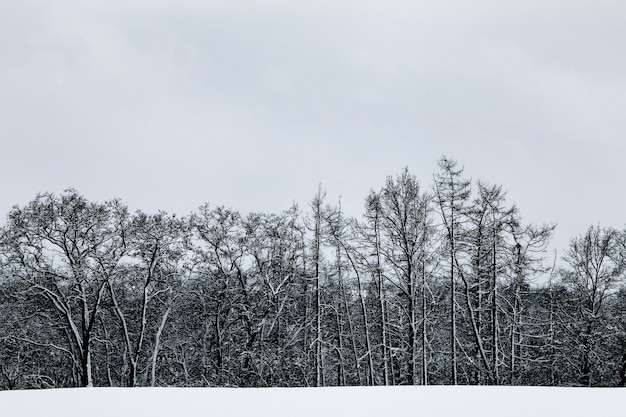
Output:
(251, 104)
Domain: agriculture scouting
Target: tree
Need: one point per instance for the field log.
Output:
(369, 233)
(594, 270)
(525, 263)
(66, 249)
(491, 227)
(220, 259)
(338, 295)
(28, 359)
(316, 259)
(343, 236)
(142, 293)
(276, 244)
(451, 193)
(617, 324)
(404, 213)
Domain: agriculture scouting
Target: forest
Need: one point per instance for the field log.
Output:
(436, 283)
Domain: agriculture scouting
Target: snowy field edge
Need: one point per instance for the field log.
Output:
(344, 401)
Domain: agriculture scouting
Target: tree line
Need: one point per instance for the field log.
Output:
(431, 285)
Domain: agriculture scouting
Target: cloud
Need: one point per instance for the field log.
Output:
(247, 103)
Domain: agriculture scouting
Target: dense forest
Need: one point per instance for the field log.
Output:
(434, 284)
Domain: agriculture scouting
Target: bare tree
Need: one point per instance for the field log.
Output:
(525, 264)
(404, 213)
(67, 249)
(142, 293)
(221, 259)
(451, 194)
(276, 245)
(316, 259)
(593, 273)
(369, 232)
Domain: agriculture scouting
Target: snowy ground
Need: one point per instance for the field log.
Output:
(297, 402)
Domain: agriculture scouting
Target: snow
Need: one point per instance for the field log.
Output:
(302, 402)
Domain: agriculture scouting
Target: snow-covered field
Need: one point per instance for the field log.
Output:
(276, 402)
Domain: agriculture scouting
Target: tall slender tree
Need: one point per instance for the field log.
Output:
(369, 233)
(451, 193)
(317, 208)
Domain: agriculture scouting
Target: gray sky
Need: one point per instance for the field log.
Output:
(251, 104)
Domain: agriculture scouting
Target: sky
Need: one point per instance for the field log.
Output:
(446, 401)
(252, 104)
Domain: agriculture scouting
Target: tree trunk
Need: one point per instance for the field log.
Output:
(454, 378)
(381, 300)
(317, 212)
(424, 322)
(157, 346)
(622, 374)
(346, 306)
(494, 312)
